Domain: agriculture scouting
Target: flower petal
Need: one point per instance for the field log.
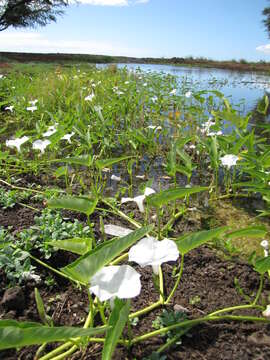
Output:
(116, 230)
(121, 281)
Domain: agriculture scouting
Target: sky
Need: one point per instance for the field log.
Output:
(215, 29)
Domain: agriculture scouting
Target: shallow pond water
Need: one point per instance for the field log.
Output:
(241, 88)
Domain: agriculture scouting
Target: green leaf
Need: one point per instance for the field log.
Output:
(84, 160)
(75, 203)
(86, 266)
(191, 241)
(78, 246)
(109, 162)
(250, 231)
(117, 322)
(61, 171)
(41, 309)
(166, 196)
(262, 265)
(14, 334)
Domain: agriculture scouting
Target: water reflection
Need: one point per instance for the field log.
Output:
(243, 89)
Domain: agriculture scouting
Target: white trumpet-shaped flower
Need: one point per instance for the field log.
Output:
(188, 94)
(229, 160)
(51, 130)
(9, 108)
(150, 251)
(115, 178)
(89, 97)
(115, 230)
(33, 102)
(41, 145)
(116, 281)
(139, 199)
(31, 108)
(154, 127)
(68, 137)
(265, 246)
(173, 92)
(17, 143)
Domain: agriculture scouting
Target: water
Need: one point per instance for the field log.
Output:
(243, 89)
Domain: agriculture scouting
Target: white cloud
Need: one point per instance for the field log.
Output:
(264, 48)
(37, 42)
(141, 1)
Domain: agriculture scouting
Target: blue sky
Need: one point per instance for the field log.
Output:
(217, 29)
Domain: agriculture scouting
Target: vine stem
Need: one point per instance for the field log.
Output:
(259, 290)
(20, 187)
(145, 310)
(53, 355)
(239, 307)
(177, 281)
(191, 323)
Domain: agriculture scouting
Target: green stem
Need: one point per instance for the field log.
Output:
(259, 290)
(172, 220)
(21, 188)
(119, 259)
(120, 213)
(161, 285)
(177, 281)
(65, 354)
(53, 355)
(145, 310)
(53, 269)
(191, 323)
(239, 307)
(158, 218)
(171, 341)
(91, 231)
(29, 207)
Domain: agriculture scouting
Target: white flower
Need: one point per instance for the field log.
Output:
(41, 145)
(153, 127)
(188, 94)
(265, 246)
(33, 102)
(116, 281)
(229, 160)
(115, 178)
(145, 84)
(126, 82)
(68, 137)
(31, 108)
(214, 133)
(51, 130)
(10, 108)
(150, 251)
(154, 99)
(115, 230)
(89, 97)
(139, 199)
(173, 92)
(17, 142)
(207, 125)
(266, 312)
(1, 76)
